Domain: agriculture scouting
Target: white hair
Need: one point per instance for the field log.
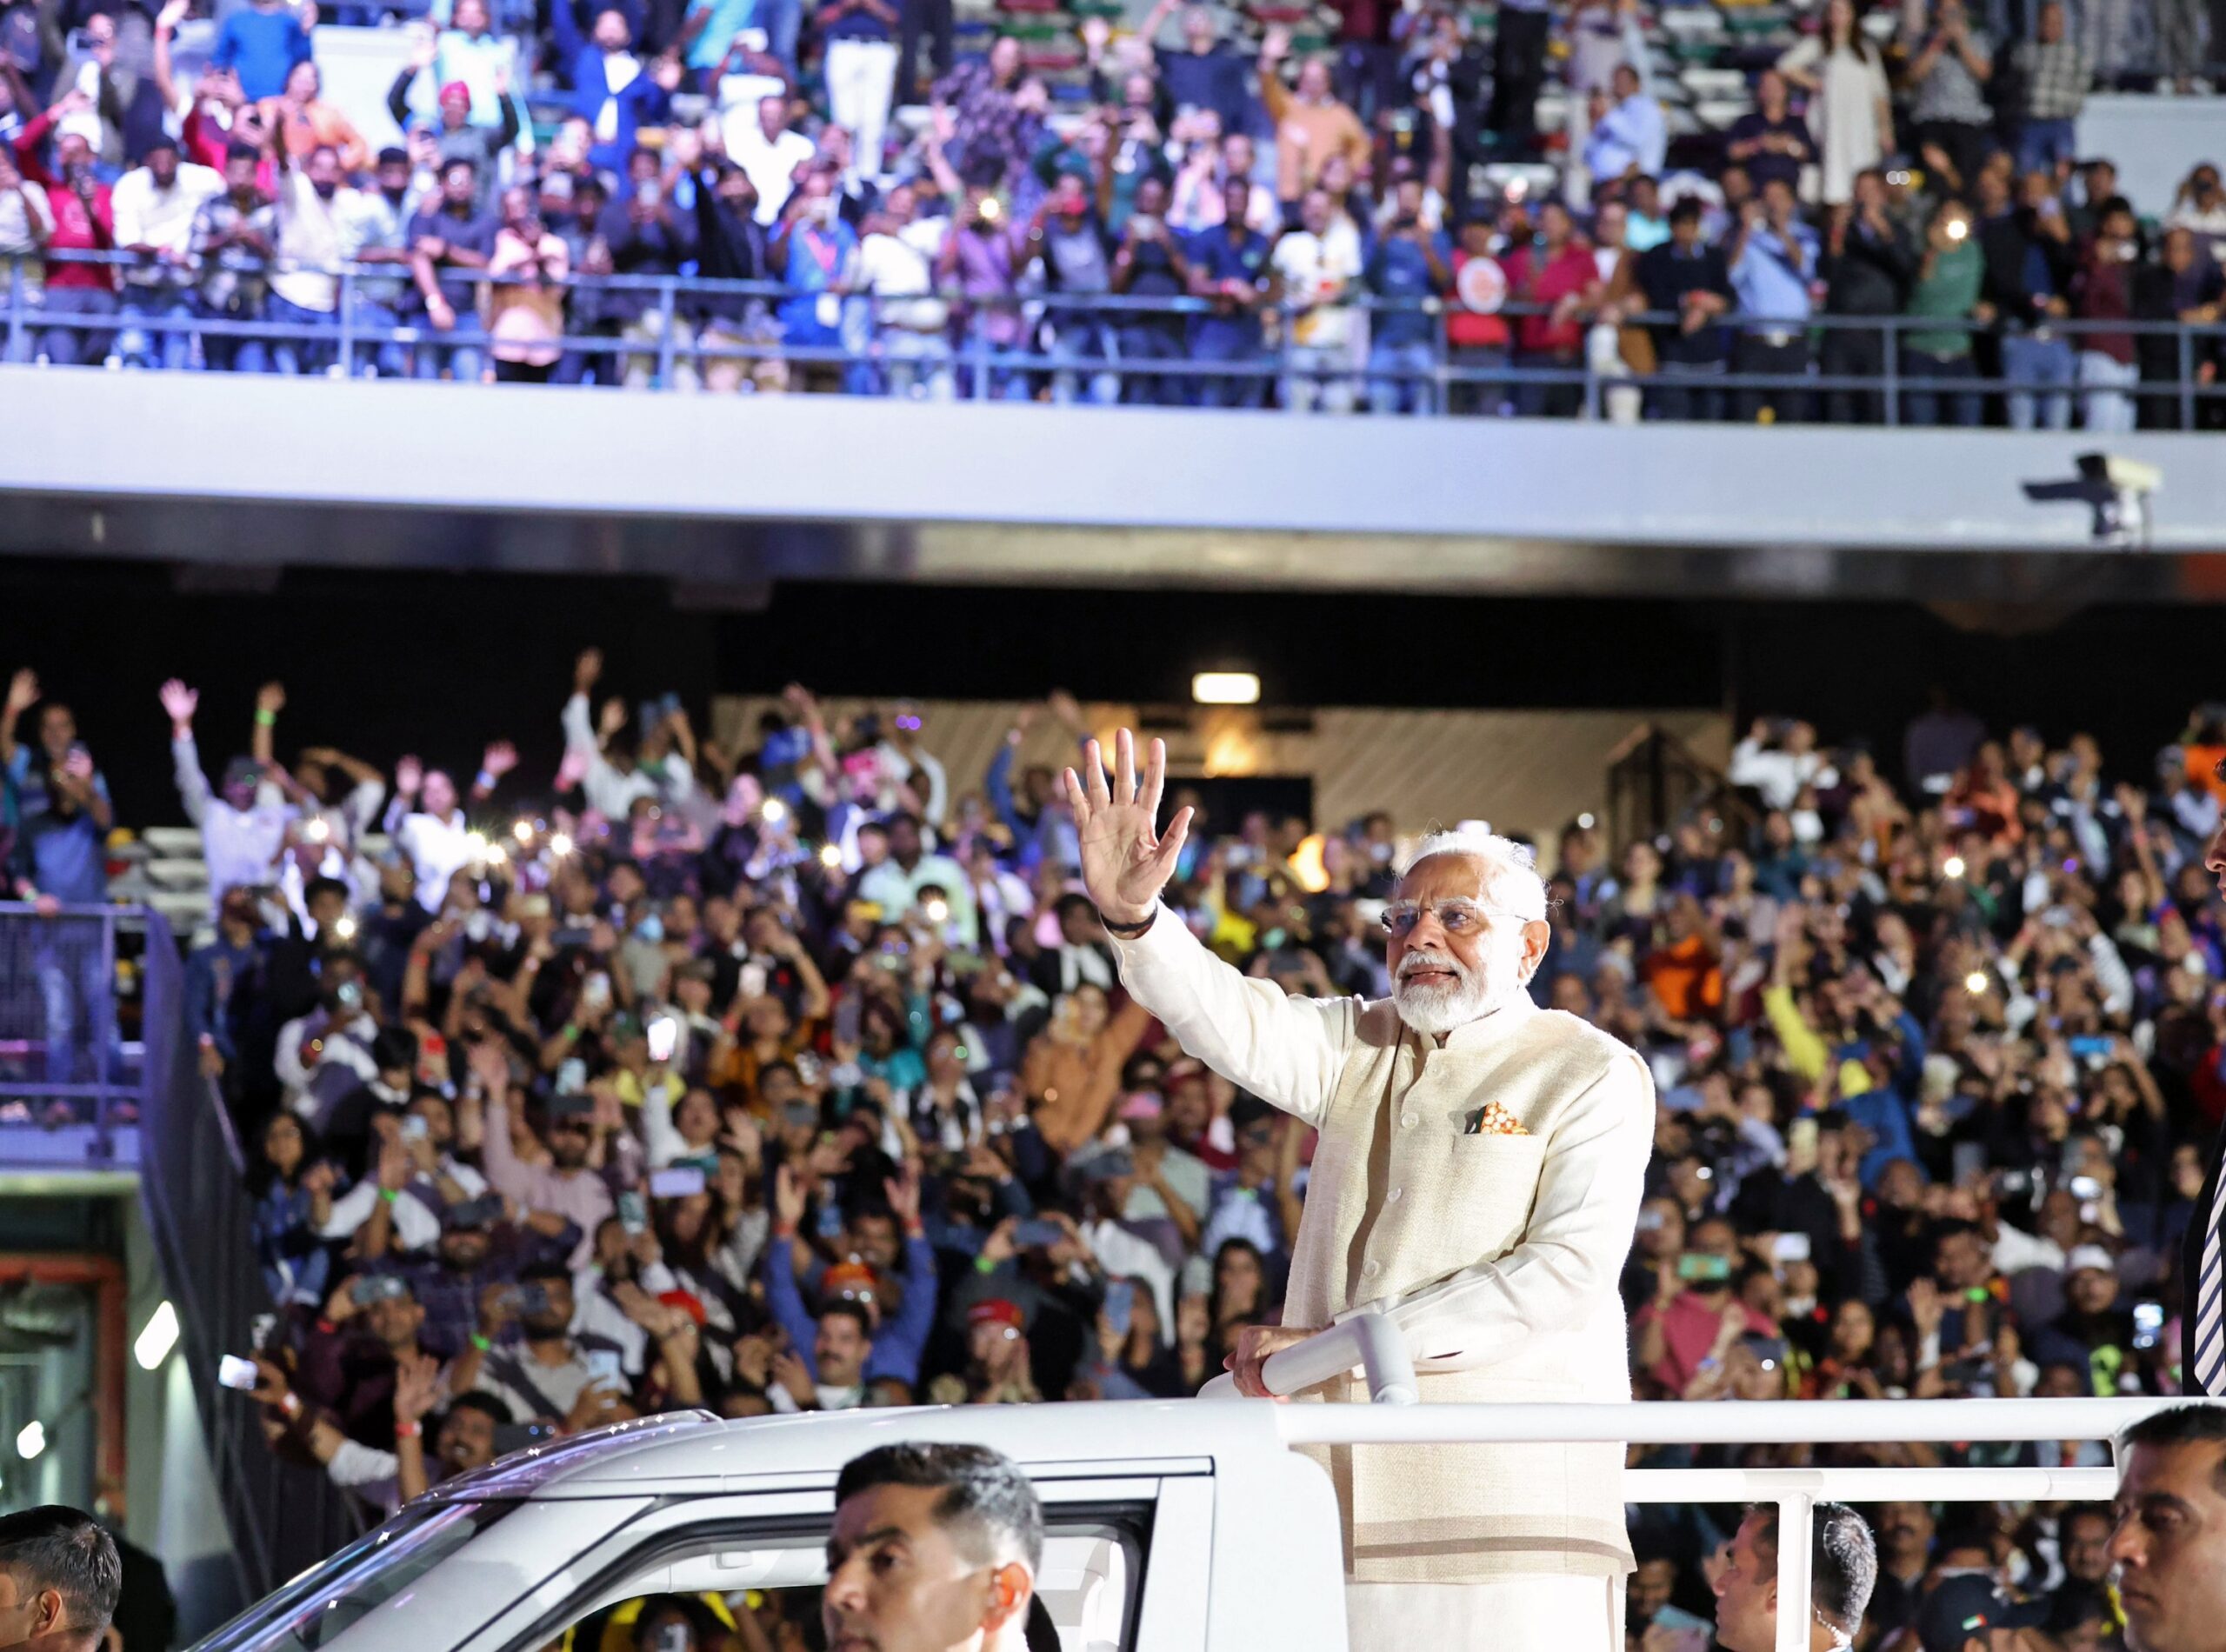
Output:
(1510, 868)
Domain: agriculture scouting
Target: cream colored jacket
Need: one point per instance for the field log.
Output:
(1498, 1251)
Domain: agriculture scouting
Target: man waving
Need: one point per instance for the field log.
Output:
(1477, 1181)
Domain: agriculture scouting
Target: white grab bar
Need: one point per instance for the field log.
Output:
(1367, 1341)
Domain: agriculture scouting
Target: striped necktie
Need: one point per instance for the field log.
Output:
(2210, 1373)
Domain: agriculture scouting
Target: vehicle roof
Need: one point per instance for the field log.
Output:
(695, 1451)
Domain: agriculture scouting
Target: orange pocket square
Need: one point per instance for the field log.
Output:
(1492, 1119)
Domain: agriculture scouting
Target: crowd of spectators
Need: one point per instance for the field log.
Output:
(1181, 213)
(796, 1074)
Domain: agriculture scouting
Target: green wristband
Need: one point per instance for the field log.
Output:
(266, 719)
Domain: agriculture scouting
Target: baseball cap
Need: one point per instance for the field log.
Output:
(998, 1310)
(483, 1212)
(1109, 1166)
(2085, 1256)
(852, 1279)
(1969, 1606)
(800, 1115)
(1142, 1104)
(687, 1301)
(455, 88)
(242, 771)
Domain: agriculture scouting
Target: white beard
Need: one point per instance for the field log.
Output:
(1434, 1009)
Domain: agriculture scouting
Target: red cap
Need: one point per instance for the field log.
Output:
(455, 88)
(996, 1310)
(686, 1301)
(847, 1278)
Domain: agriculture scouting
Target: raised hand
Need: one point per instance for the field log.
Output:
(1125, 860)
(788, 1198)
(270, 697)
(178, 700)
(903, 1194)
(416, 1386)
(499, 759)
(408, 775)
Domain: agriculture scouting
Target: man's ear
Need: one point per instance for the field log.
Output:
(50, 1612)
(1536, 934)
(1010, 1589)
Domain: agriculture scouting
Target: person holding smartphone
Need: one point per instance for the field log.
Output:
(1696, 1312)
(526, 1354)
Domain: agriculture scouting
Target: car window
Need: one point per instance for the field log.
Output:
(327, 1601)
(732, 1589)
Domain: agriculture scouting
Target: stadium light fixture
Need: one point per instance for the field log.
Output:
(156, 1338)
(30, 1440)
(1225, 688)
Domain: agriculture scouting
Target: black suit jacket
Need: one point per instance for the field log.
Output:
(2191, 1246)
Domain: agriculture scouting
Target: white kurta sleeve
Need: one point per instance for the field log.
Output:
(1571, 1253)
(1283, 1050)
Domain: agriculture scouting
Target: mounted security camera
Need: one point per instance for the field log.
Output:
(2116, 489)
(2123, 475)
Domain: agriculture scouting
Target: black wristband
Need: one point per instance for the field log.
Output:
(1129, 931)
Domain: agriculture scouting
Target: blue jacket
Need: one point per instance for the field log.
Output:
(642, 103)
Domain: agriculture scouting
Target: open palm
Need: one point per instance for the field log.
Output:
(1125, 860)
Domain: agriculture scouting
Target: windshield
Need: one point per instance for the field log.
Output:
(327, 1601)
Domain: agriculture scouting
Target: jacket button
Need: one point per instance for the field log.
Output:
(1368, 1270)
(1408, 1121)
(1393, 1195)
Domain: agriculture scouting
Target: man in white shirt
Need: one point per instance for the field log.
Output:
(1777, 761)
(1319, 261)
(770, 154)
(896, 264)
(607, 775)
(438, 837)
(154, 206)
(314, 212)
(375, 229)
(896, 883)
(904, 759)
(1633, 137)
(242, 826)
(1476, 1184)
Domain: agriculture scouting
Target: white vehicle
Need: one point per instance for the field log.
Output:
(1170, 1526)
(1152, 1512)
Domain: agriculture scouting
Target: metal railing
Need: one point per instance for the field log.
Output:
(1369, 1342)
(876, 348)
(283, 1516)
(94, 1037)
(65, 1059)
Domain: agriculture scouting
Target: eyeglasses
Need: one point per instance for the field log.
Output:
(1454, 916)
